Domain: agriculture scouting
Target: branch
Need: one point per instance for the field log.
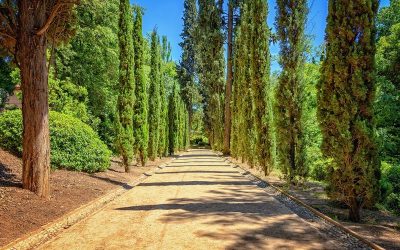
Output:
(50, 19)
(2, 33)
(7, 22)
(54, 12)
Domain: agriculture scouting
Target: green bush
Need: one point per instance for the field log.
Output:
(393, 203)
(390, 186)
(74, 145)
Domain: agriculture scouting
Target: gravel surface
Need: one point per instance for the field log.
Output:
(199, 201)
(345, 240)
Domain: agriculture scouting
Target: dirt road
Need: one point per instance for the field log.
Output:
(197, 202)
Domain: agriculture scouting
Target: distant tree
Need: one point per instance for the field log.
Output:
(229, 80)
(346, 94)
(163, 116)
(187, 68)
(290, 24)
(6, 83)
(154, 98)
(91, 60)
(166, 49)
(387, 17)
(140, 122)
(27, 27)
(173, 113)
(210, 68)
(126, 98)
(388, 82)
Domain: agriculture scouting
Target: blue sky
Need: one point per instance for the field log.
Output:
(166, 15)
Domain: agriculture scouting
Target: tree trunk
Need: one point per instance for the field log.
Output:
(354, 211)
(228, 88)
(31, 50)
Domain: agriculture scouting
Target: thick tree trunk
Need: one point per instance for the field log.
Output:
(31, 50)
(354, 211)
(228, 88)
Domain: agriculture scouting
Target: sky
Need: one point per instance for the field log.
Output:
(166, 15)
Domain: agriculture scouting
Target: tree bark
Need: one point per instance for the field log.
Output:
(354, 210)
(229, 79)
(31, 54)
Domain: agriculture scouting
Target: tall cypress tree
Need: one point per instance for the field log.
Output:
(125, 139)
(187, 64)
(345, 103)
(140, 122)
(210, 68)
(155, 99)
(163, 118)
(290, 24)
(260, 67)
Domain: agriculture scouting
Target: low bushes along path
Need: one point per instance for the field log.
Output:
(197, 201)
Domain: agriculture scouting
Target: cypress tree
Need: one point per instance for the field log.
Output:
(238, 81)
(210, 68)
(155, 99)
(290, 24)
(346, 94)
(244, 128)
(125, 139)
(187, 63)
(173, 113)
(166, 78)
(140, 123)
(260, 67)
(163, 120)
(229, 80)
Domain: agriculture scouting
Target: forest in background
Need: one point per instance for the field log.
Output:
(276, 121)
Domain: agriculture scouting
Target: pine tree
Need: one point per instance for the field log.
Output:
(260, 67)
(187, 64)
(125, 139)
(210, 68)
(290, 24)
(140, 122)
(155, 98)
(345, 103)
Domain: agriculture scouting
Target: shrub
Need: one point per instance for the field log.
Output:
(393, 203)
(74, 145)
(390, 186)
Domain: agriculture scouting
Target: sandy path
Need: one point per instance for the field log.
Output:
(196, 202)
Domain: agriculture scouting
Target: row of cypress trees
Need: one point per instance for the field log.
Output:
(268, 129)
(144, 128)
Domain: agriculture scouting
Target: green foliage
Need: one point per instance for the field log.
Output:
(390, 186)
(74, 145)
(178, 121)
(290, 24)
(168, 75)
(345, 104)
(68, 98)
(387, 105)
(6, 83)
(251, 135)
(187, 68)
(260, 85)
(91, 60)
(314, 159)
(210, 65)
(140, 122)
(387, 17)
(126, 98)
(154, 117)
